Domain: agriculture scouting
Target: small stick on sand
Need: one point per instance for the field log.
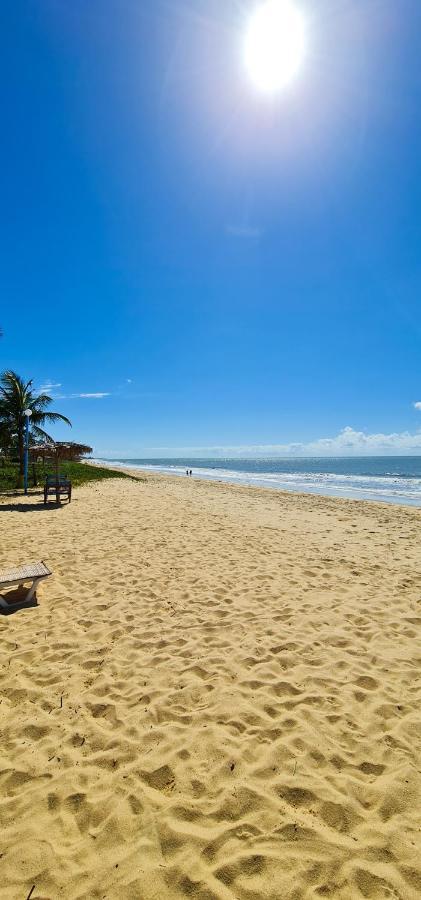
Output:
(31, 892)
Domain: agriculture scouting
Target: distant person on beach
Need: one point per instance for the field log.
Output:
(187, 471)
(191, 471)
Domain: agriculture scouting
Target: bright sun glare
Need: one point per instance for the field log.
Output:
(274, 44)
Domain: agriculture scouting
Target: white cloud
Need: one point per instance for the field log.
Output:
(129, 380)
(417, 404)
(348, 442)
(97, 396)
(360, 442)
(50, 385)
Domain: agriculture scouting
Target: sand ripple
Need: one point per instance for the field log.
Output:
(217, 697)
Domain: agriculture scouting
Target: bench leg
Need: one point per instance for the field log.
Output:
(32, 590)
(31, 595)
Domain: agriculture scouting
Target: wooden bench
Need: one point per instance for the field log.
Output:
(34, 573)
(58, 485)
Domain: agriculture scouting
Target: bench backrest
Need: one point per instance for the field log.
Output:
(54, 479)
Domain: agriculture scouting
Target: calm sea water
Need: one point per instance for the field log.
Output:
(391, 479)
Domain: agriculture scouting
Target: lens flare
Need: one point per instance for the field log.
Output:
(274, 44)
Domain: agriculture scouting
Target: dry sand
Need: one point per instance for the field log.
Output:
(218, 696)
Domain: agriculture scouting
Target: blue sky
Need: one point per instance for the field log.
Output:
(229, 270)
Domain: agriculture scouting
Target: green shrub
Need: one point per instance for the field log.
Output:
(79, 473)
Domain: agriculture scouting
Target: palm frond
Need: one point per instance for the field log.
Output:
(56, 417)
(40, 433)
(41, 401)
(16, 396)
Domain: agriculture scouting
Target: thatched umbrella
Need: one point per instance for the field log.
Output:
(58, 451)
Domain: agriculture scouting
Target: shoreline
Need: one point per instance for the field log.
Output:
(137, 472)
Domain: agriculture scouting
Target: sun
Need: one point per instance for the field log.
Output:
(274, 44)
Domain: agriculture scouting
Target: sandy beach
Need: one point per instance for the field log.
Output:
(217, 697)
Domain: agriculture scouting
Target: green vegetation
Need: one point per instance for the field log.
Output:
(79, 473)
(16, 396)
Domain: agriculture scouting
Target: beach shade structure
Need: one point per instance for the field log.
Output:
(32, 574)
(57, 451)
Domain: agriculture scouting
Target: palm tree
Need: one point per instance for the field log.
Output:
(15, 397)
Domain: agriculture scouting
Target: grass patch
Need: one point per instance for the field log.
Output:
(79, 473)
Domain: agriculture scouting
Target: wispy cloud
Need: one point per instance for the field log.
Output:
(349, 442)
(84, 395)
(95, 396)
(417, 404)
(243, 231)
(50, 386)
(129, 380)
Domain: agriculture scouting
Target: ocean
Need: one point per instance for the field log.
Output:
(391, 479)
